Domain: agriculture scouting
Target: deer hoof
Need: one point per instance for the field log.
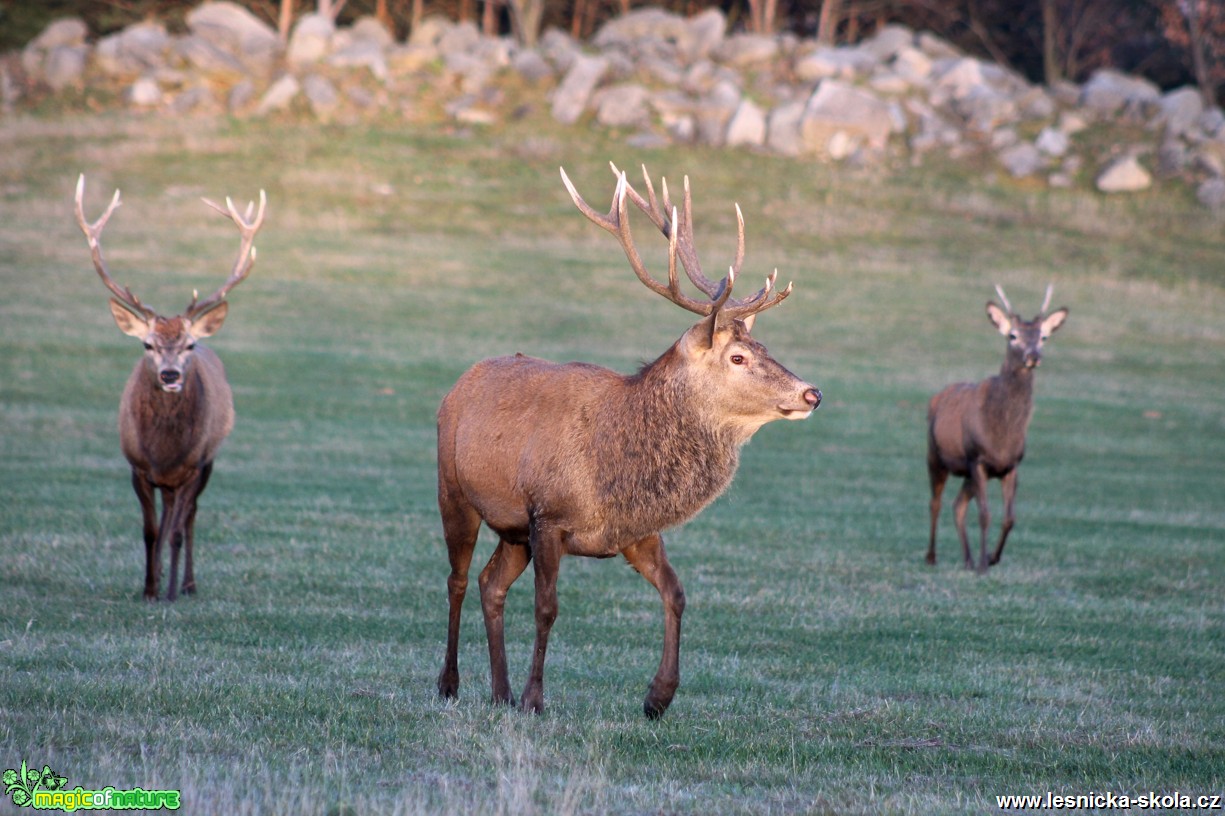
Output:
(532, 703)
(448, 685)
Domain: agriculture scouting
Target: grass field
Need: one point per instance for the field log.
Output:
(825, 668)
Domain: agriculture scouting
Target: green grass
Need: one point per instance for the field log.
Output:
(825, 668)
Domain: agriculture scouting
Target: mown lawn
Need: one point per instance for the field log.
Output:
(825, 667)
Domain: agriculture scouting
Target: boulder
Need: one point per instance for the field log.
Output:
(321, 95)
(571, 96)
(64, 66)
(744, 50)
(1108, 92)
(134, 50)
(839, 107)
(783, 129)
(704, 33)
(311, 39)
(1211, 194)
(622, 105)
(1181, 110)
(747, 127)
(279, 95)
(66, 31)
(1021, 159)
(1124, 175)
(145, 93)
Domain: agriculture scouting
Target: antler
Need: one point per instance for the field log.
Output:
(246, 253)
(1046, 301)
(93, 233)
(999, 290)
(679, 231)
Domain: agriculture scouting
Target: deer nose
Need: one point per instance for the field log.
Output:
(813, 397)
(169, 376)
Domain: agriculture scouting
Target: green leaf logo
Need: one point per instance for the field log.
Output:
(23, 783)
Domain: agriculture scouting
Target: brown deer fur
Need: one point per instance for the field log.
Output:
(575, 459)
(978, 430)
(177, 407)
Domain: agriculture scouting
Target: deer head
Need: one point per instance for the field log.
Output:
(718, 349)
(1025, 337)
(170, 341)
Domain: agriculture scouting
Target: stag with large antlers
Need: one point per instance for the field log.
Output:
(177, 407)
(977, 430)
(575, 459)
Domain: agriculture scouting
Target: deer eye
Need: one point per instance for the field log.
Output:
(191, 346)
(737, 359)
(148, 347)
(1012, 335)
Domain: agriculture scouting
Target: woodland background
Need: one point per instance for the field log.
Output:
(1171, 42)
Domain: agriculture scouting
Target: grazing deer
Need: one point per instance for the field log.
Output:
(176, 408)
(977, 430)
(575, 459)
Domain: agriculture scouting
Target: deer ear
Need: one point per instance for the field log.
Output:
(211, 321)
(748, 322)
(701, 336)
(1000, 318)
(127, 322)
(1054, 320)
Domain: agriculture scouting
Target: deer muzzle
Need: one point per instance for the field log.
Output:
(171, 379)
(811, 399)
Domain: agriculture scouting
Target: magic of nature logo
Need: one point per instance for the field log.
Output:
(46, 790)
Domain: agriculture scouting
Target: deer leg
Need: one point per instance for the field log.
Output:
(184, 506)
(938, 475)
(978, 477)
(148, 512)
(959, 516)
(505, 566)
(1009, 485)
(460, 525)
(649, 559)
(163, 531)
(189, 534)
(546, 554)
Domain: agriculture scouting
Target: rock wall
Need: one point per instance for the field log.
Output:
(890, 100)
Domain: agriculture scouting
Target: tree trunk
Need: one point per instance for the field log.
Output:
(827, 22)
(1199, 61)
(1051, 72)
(284, 20)
(526, 17)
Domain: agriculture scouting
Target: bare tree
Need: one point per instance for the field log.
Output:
(526, 17)
(1198, 27)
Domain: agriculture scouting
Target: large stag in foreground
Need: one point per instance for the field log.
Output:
(977, 430)
(177, 407)
(575, 459)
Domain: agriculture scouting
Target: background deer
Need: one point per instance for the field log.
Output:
(575, 459)
(176, 408)
(977, 430)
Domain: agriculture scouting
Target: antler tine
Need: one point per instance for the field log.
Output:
(766, 298)
(999, 290)
(1046, 301)
(247, 228)
(679, 230)
(617, 222)
(93, 234)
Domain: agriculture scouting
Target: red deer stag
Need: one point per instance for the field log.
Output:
(575, 459)
(176, 408)
(977, 430)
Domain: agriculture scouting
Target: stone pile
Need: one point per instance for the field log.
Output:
(891, 100)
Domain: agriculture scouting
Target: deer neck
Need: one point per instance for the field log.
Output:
(668, 456)
(1010, 397)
